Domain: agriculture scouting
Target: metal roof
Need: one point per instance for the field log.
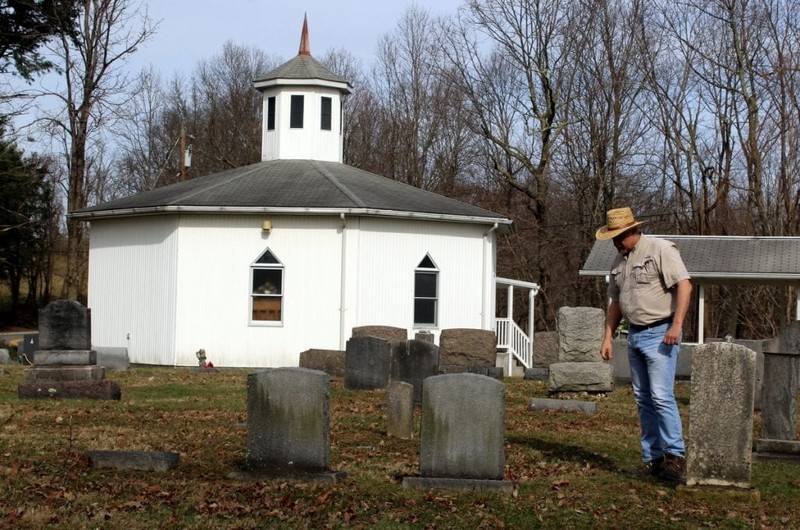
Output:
(295, 186)
(720, 259)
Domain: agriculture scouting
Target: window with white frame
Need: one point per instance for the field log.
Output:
(266, 280)
(426, 292)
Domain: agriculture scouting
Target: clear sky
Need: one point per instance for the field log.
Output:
(191, 30)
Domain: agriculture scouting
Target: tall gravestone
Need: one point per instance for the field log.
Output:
(462, 434)
(413, 361)
(367, 363)
(718, 449)
(288, 425)
(65, 366)
(779, 396)
(580, 367)
(400, 410)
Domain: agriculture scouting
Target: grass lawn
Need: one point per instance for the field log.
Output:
(569, 468)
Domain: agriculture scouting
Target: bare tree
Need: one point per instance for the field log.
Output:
(510, 61)
(94, 86)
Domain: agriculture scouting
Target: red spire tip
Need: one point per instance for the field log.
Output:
(305, 47)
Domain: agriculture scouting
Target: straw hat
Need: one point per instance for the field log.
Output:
(618, 220)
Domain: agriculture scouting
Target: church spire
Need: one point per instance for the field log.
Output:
(305, 47)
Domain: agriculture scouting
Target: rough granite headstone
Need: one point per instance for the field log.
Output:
(288, 423)
(462, 348)
(329, 361)
(719, 445)
(413, 361)
(400, 410)
(545, 348)
(390, 334)
(581, 377)
(367, 363)
(580, 334)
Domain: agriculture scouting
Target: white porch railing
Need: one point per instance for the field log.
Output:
(510, 336)
(518, 345)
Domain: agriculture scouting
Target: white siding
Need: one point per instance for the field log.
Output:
(310, 142)
(181, 283)
(391, 250)
(214, 289)
(132, 286)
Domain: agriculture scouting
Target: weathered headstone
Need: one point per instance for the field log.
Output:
(367, 363)
(65, 366)
(425, 335)
(400, 410)
(545, 348)
(329, 361)
(580, 334)
(462, 348)
(5, 358)
(779, 407)
(390, 334)
(564, 405)
(288, 425)
(140, 460)
(580, 367)
(581, 377)
(718, 451)
(413, 361)
(462, 434)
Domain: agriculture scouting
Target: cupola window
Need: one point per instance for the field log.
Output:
(296, 117)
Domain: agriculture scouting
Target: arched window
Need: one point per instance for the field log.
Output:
(266, 275)
(426, 292)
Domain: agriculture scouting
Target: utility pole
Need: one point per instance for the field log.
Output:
(183, 153)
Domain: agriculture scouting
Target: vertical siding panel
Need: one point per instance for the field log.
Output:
(132, 286)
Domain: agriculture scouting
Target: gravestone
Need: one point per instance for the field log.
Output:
(400, 410)
(390, 334)
(65, 366)
(461, 349)
(718, 449)
(779, 407)
(462, 434)
(288, 425)
(580, 334)
(329, 361)
(413, 361)
(425, 335)
(580, 367)
(5, 358)
(367, 363)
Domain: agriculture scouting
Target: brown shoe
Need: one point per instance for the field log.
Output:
(672, 470)
(649, 469)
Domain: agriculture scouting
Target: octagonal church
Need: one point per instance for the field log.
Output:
(260, 263)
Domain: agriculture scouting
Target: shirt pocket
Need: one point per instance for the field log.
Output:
(643, 273)
(618, 273)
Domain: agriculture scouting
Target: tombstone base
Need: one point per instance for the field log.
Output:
(141, 460)
(716, 494)
(299, 475)
(461, 484)
(564, 405)
(784, 450)
(105, 389)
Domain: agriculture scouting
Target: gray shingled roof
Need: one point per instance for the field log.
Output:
(720, 259)
(301, 67)
(295, 186)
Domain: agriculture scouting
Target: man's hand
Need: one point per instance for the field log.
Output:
(606, 351)
(673, 334)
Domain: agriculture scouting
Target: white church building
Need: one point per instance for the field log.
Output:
(260, 263)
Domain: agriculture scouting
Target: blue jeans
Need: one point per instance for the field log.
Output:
(652, 365)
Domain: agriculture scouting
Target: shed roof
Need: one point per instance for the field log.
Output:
(295, 187)
(720, 259)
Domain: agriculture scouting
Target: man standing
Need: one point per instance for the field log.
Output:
(650, 287)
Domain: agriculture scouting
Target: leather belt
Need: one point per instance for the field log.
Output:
(636, 327)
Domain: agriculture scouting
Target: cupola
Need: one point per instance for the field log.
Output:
(302, 108)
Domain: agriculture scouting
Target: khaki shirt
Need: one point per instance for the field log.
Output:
(642, 281)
